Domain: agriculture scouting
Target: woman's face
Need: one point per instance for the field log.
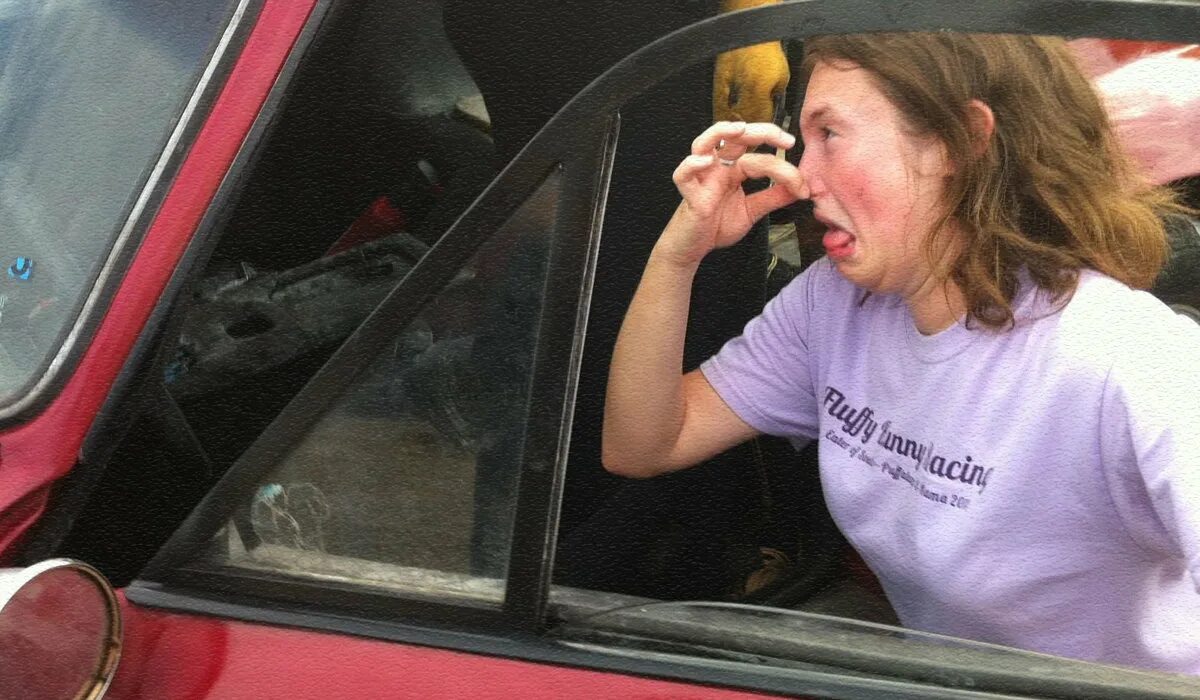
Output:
(876, 187)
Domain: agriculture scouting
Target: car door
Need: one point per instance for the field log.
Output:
(393, 529)
(120, 122)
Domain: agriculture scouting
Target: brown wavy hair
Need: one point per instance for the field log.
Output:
(1052, 191)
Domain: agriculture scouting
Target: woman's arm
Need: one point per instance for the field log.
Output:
(655, 419)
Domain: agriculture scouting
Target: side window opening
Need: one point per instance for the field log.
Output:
(679, 548)
(676, 537)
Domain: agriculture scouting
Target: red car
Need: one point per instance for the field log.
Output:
(289, 358)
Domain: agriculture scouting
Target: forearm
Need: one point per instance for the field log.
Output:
(644, 406)
(655, 419)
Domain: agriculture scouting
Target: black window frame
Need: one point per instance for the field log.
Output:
(581, 139)
(564, 310)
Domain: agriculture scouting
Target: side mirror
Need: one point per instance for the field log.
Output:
(60, 632)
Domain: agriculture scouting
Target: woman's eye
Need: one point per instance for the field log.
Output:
(826, 133)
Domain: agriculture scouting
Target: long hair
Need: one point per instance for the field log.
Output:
(1050, 191)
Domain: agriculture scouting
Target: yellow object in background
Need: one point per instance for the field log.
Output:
(746, 81)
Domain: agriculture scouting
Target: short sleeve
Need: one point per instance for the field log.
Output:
(764, 375)
(1151, 437)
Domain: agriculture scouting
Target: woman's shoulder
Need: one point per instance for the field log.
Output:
(1107, 305)
(1107, 321)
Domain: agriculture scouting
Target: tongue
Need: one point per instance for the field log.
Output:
(835, 239)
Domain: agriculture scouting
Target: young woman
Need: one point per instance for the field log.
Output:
(1007, 428)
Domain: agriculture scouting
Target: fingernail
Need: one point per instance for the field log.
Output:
(738, 125)
(789, 140)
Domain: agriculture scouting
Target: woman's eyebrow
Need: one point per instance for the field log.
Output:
(819, 113)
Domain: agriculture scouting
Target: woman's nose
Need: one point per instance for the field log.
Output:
(808, 174)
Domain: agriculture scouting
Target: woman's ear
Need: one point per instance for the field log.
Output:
(983, 125)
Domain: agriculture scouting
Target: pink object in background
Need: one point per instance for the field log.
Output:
(1152, 91)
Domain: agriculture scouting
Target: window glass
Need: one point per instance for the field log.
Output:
(89, 92)
(408, 480)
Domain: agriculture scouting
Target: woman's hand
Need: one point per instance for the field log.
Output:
(715, 212)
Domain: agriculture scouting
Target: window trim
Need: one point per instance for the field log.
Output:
(922, 660)
(555, 380)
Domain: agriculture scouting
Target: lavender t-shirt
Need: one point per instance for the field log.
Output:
(1038, 488)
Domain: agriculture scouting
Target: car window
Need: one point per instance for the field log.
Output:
(407, 481)
(89, 94)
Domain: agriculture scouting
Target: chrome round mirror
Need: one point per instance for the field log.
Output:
(60, 632)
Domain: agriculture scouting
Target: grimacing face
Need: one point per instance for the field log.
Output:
(876, 188)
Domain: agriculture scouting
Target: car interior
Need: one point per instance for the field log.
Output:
(397, 120)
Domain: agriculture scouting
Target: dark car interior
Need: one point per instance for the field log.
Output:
(377, 148)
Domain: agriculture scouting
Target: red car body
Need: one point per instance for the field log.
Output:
(188, 655)
(184, 656)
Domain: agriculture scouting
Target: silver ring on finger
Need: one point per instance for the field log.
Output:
(727, 162)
